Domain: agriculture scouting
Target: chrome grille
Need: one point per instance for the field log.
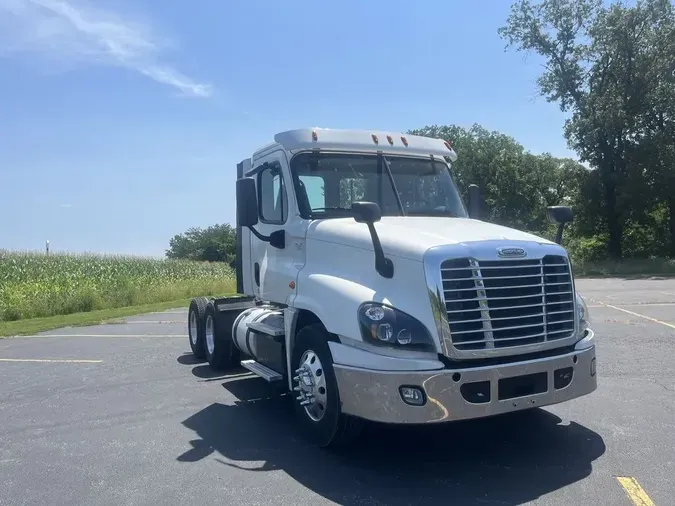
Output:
(507, 303)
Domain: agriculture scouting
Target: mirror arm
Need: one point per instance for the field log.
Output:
(475, 204)
(369, 213)
(264, 238)
(559, 233)
(277, 239)
(383, 265)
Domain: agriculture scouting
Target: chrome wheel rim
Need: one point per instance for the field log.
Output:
(310, 382)
(193, 328)
(210, 341)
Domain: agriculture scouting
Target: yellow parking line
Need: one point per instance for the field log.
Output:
(51, 360)
(635, 491)
(637, 314)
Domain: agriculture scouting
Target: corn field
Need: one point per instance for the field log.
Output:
(36, 284)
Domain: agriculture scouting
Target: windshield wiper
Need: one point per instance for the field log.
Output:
(323, 209)
(393, 183)
(446, 213)
(327, 212)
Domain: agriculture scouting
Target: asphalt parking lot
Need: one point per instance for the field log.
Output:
(122, 414)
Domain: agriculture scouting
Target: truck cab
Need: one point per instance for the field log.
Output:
(370, 292)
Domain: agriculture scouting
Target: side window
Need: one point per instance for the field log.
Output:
(272, 195)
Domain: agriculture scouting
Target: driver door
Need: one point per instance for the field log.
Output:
(272, 267)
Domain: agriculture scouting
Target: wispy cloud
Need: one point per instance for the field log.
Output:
(70, 31)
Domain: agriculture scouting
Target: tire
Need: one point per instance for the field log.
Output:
(219, 349)
(327, 428)
(196, 326)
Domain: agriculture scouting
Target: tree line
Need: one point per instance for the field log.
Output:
(611, 68)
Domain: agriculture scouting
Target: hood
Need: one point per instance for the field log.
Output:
(411, 236)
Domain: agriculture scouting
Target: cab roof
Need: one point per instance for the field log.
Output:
(303, 139)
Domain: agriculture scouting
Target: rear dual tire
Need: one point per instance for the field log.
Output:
(219, 349)
(196, 331)
(209, 339)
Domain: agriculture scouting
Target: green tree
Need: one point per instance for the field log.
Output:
(657, 155)
(602, 64)
(517, 185)
(216, 243)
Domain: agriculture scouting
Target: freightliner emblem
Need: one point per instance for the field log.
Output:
(511, 252)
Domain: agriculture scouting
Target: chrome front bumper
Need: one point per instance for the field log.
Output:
(466, 393)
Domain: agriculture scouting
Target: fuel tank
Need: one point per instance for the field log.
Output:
(260, 345)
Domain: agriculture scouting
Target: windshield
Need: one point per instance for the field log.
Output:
(327, 184)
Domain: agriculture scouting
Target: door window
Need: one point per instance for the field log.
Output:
(272, 195)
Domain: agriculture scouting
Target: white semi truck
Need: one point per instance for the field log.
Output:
(371, 293)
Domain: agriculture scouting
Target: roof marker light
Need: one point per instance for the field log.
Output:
(375, 139)
(404, 141)
(315, 137)
(391, 141)
(448, 144)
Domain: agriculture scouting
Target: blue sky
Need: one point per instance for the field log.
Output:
(123, 120)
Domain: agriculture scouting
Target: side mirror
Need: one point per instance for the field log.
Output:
(247, 213)
(247, 202)
(369, 213)
(475, 202)
(561, 215)
(366, 212)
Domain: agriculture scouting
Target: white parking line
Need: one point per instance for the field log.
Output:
(108, 335)
(134, 322)
(52, 360)
(670, 325)
(651, 304)
(639, 304)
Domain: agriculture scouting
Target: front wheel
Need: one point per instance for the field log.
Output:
(317, 399)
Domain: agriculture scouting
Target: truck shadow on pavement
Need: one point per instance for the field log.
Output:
(506, 460)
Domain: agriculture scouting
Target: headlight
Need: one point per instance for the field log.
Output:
(385, 326)
(583, 315)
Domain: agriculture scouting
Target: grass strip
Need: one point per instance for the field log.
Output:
(628, 268)
(34, 325)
